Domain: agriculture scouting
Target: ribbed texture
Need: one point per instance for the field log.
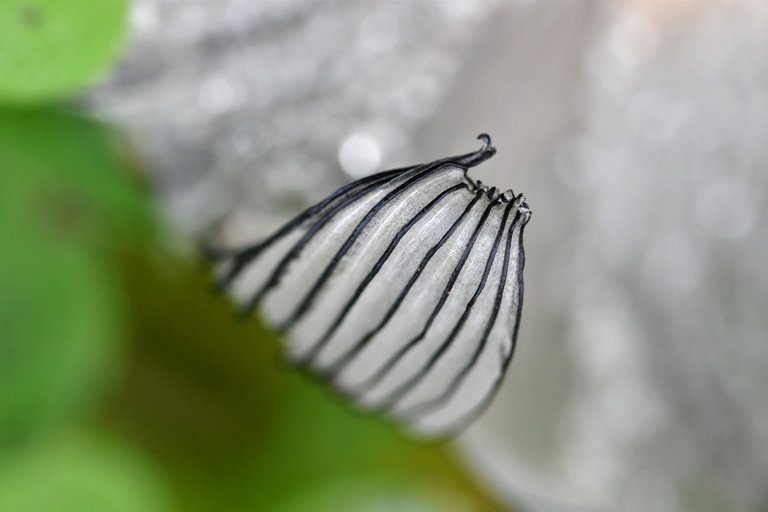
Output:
(403, 289)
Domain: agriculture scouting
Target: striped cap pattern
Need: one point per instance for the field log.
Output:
(402, 289)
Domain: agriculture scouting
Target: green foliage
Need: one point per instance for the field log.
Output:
(67, 204)
(60, 336)
(356, 493)
(102, 330)
(62, 201)
(49, 48)
(66, 180)
(83, 472)
(240, 430)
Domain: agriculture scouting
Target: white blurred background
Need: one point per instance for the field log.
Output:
(638, 131)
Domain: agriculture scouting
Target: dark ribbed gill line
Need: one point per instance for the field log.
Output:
(347, 358)
(294, 252)
(426, 368)
(389, 364)
(245, 256)
(310, 297)
(470, 415)
(317, 347)
(426, 405)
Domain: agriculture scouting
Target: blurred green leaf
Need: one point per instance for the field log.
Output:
(49, 48)
(366, 494)
(239, 430)
(64, 202)
(59, 323)
(64, 177)
(81, 473)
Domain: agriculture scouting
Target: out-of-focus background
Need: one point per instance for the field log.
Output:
(638, 131)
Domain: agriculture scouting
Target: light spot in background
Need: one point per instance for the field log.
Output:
(655, 115)
(632, 40)
(458, 11)
(417, 97)
(378, 33)
(727, 207)
(359, 154)
(242, 142)
(144, 17)
(218, 95)
(673, 265)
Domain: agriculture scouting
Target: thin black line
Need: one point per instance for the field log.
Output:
(347, 358)
(410, 383)
(469, 159)
(375, 270)
(245, 255)
(392, 361)
(309, 298)
(457, 380)
(294, 252)
(470, 415)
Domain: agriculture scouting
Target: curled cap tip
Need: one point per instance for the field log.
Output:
(482, 154)
(485, 138)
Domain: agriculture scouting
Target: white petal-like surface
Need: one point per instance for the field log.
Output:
(404, 289)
